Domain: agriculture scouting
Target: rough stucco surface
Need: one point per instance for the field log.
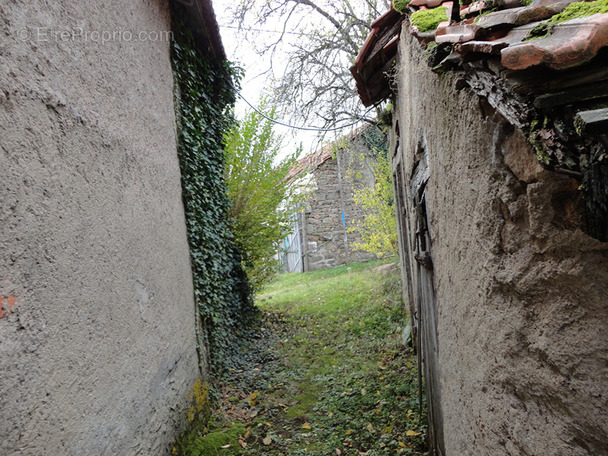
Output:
(324, 224)
(522, 293)
(99, 350)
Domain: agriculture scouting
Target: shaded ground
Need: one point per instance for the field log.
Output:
(326, 375)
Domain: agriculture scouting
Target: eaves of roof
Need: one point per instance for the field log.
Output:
(377, 57)
(480, 30)
(201, 20)
(542, 66)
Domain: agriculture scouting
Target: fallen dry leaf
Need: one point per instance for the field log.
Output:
(411, 433)
(306, 426)
(267, 440)
(225, 446)
(242, 443)
(338, 452)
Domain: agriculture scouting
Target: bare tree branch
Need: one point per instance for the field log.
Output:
(314, 83)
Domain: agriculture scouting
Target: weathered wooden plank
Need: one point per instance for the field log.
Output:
(594, 122)
(541, 80)
(573, 95)
(511, 106)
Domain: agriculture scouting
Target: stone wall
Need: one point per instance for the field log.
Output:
(520, 292)
(97, 331)
(328, 243)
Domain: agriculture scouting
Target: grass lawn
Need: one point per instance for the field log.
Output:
(327, 373)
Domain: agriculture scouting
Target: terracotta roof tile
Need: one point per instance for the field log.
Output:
(479, 6)
(449, 6)
(484, 47)
(459, 33)
(376, 57)
(570, 44)
(473, 8)
(523, 15)
(426, 3)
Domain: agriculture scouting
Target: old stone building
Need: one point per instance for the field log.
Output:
(499, 150)
(322, 237)
(97, 320)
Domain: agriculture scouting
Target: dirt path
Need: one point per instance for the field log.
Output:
(327, 374)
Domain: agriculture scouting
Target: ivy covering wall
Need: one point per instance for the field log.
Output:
(204, 97)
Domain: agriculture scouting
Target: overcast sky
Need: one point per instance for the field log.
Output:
(256, 75)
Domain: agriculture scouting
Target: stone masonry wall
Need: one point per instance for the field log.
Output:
(521, 292)
(324, 225)
(97, 328)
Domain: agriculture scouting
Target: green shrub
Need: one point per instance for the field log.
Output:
(258, 186)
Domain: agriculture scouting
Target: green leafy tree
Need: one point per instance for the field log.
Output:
(378, 228)
(259, 190)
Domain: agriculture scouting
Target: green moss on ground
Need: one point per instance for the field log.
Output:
(222, 441)
(572, 11)
(428, 20)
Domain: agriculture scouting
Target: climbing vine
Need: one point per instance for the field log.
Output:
(376, 139)
(204, 97)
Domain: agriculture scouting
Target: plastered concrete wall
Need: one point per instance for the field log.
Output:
(97, 341)
(324, 225)
(522, 293)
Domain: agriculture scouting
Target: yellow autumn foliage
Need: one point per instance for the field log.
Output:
(378, 228)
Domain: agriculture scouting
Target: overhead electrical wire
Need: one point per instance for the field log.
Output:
(278, 122)
(265, 30)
